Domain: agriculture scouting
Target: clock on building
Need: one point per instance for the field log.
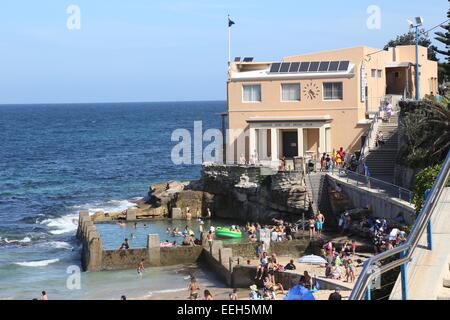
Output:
(311, 91)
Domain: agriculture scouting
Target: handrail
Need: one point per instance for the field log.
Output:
(368, 273)
(381, 182)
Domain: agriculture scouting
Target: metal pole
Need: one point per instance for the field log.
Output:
(368, 293)
(417, 65)
(403, 278)
(430, 235)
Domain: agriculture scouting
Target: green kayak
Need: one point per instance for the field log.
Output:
(226, 233)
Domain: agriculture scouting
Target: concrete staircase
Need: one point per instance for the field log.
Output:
(381, 160)
(316, 186)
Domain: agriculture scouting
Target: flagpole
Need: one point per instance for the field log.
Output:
(229, 42)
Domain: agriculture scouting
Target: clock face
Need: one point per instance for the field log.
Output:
(311, 91)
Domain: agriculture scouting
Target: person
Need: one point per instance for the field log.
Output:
(271, 266)
(336, 295)
(193, 289)
(306, 280)
(208, 295)
(233, 295)
(122, 225)
(290, 265)
(209, 213)
(260, 249)
(200, 227)
(322, 162)
(320, 220)
(263, 262)
(188, 214)
(43, 296)
(351, 271)
(328, 247)
(353, 247)
(123, 297)
(379, 139)
(140, 268)
(311, 224)
(270, 284)
(210, 238)
(242, 160)
(254, 294)
(124, 245)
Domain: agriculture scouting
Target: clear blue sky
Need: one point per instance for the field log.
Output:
(142, 50)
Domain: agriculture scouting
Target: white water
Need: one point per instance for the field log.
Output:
(41, 263)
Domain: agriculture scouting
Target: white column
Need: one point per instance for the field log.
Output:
(274, 144)
(263, 144)
(322, 140)
(252, 142)
(300, 141)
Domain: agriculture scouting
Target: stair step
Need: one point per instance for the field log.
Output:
(444, 294)
(446, 282)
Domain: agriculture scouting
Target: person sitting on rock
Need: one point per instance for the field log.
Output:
(124, 245)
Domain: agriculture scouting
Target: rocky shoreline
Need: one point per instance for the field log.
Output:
(243, 193)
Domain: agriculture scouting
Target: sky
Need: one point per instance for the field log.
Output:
(173, 50)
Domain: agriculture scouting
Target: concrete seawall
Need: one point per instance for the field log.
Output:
(382, 205)
(95, 258)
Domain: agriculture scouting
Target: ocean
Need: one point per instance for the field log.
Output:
(56, 160)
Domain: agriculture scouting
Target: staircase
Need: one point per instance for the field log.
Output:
(381, 160)
(317, 193)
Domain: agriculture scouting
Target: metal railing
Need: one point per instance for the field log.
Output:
(372, 268)
(381, 186)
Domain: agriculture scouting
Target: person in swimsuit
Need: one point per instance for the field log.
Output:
(320, 220)
(208, 295)
(124, 245)
(311, 224)
(140, 268)
(193, 288)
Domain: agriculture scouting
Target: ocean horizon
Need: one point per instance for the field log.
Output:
(59, 160)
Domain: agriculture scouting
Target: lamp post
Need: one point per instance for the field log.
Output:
(419, 22)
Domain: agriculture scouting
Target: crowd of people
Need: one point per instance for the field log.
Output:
(340, 263)
(339, 159)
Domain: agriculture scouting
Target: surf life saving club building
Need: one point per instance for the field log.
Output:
(309, 104)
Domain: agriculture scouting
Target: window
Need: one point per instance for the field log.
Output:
(332, 91)
(380, 73)
(374, 73)
(252, 92)
(290, 92)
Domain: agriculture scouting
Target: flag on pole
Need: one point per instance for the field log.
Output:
(230, 22)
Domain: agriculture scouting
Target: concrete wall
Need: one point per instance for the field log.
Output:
(94, 258)
(381, 205)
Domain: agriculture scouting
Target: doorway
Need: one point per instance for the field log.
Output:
(289, 143)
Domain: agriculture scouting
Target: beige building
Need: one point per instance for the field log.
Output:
(309, 104)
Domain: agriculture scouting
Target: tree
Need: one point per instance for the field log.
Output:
(444, 37)
(424, 180)
(409, 38)
(426, 134)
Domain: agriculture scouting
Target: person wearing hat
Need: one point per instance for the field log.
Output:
(254, 293)
(336, 295)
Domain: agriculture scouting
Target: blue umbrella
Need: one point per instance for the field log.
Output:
(299, 292)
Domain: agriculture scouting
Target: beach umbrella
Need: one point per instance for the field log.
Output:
(312, 259)
(299, 292)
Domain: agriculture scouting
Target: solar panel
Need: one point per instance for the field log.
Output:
(275, 67)
(285, 67)
(248, 59)
(324, 66)
(343, 65)
(294, 67)
(313, 66)
(237, 59)
(333, 66)
(304, 66)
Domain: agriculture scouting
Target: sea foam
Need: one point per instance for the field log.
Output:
(41, 263)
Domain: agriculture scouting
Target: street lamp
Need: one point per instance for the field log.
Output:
(418, 23)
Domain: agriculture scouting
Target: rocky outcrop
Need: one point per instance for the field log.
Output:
(254, 193)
